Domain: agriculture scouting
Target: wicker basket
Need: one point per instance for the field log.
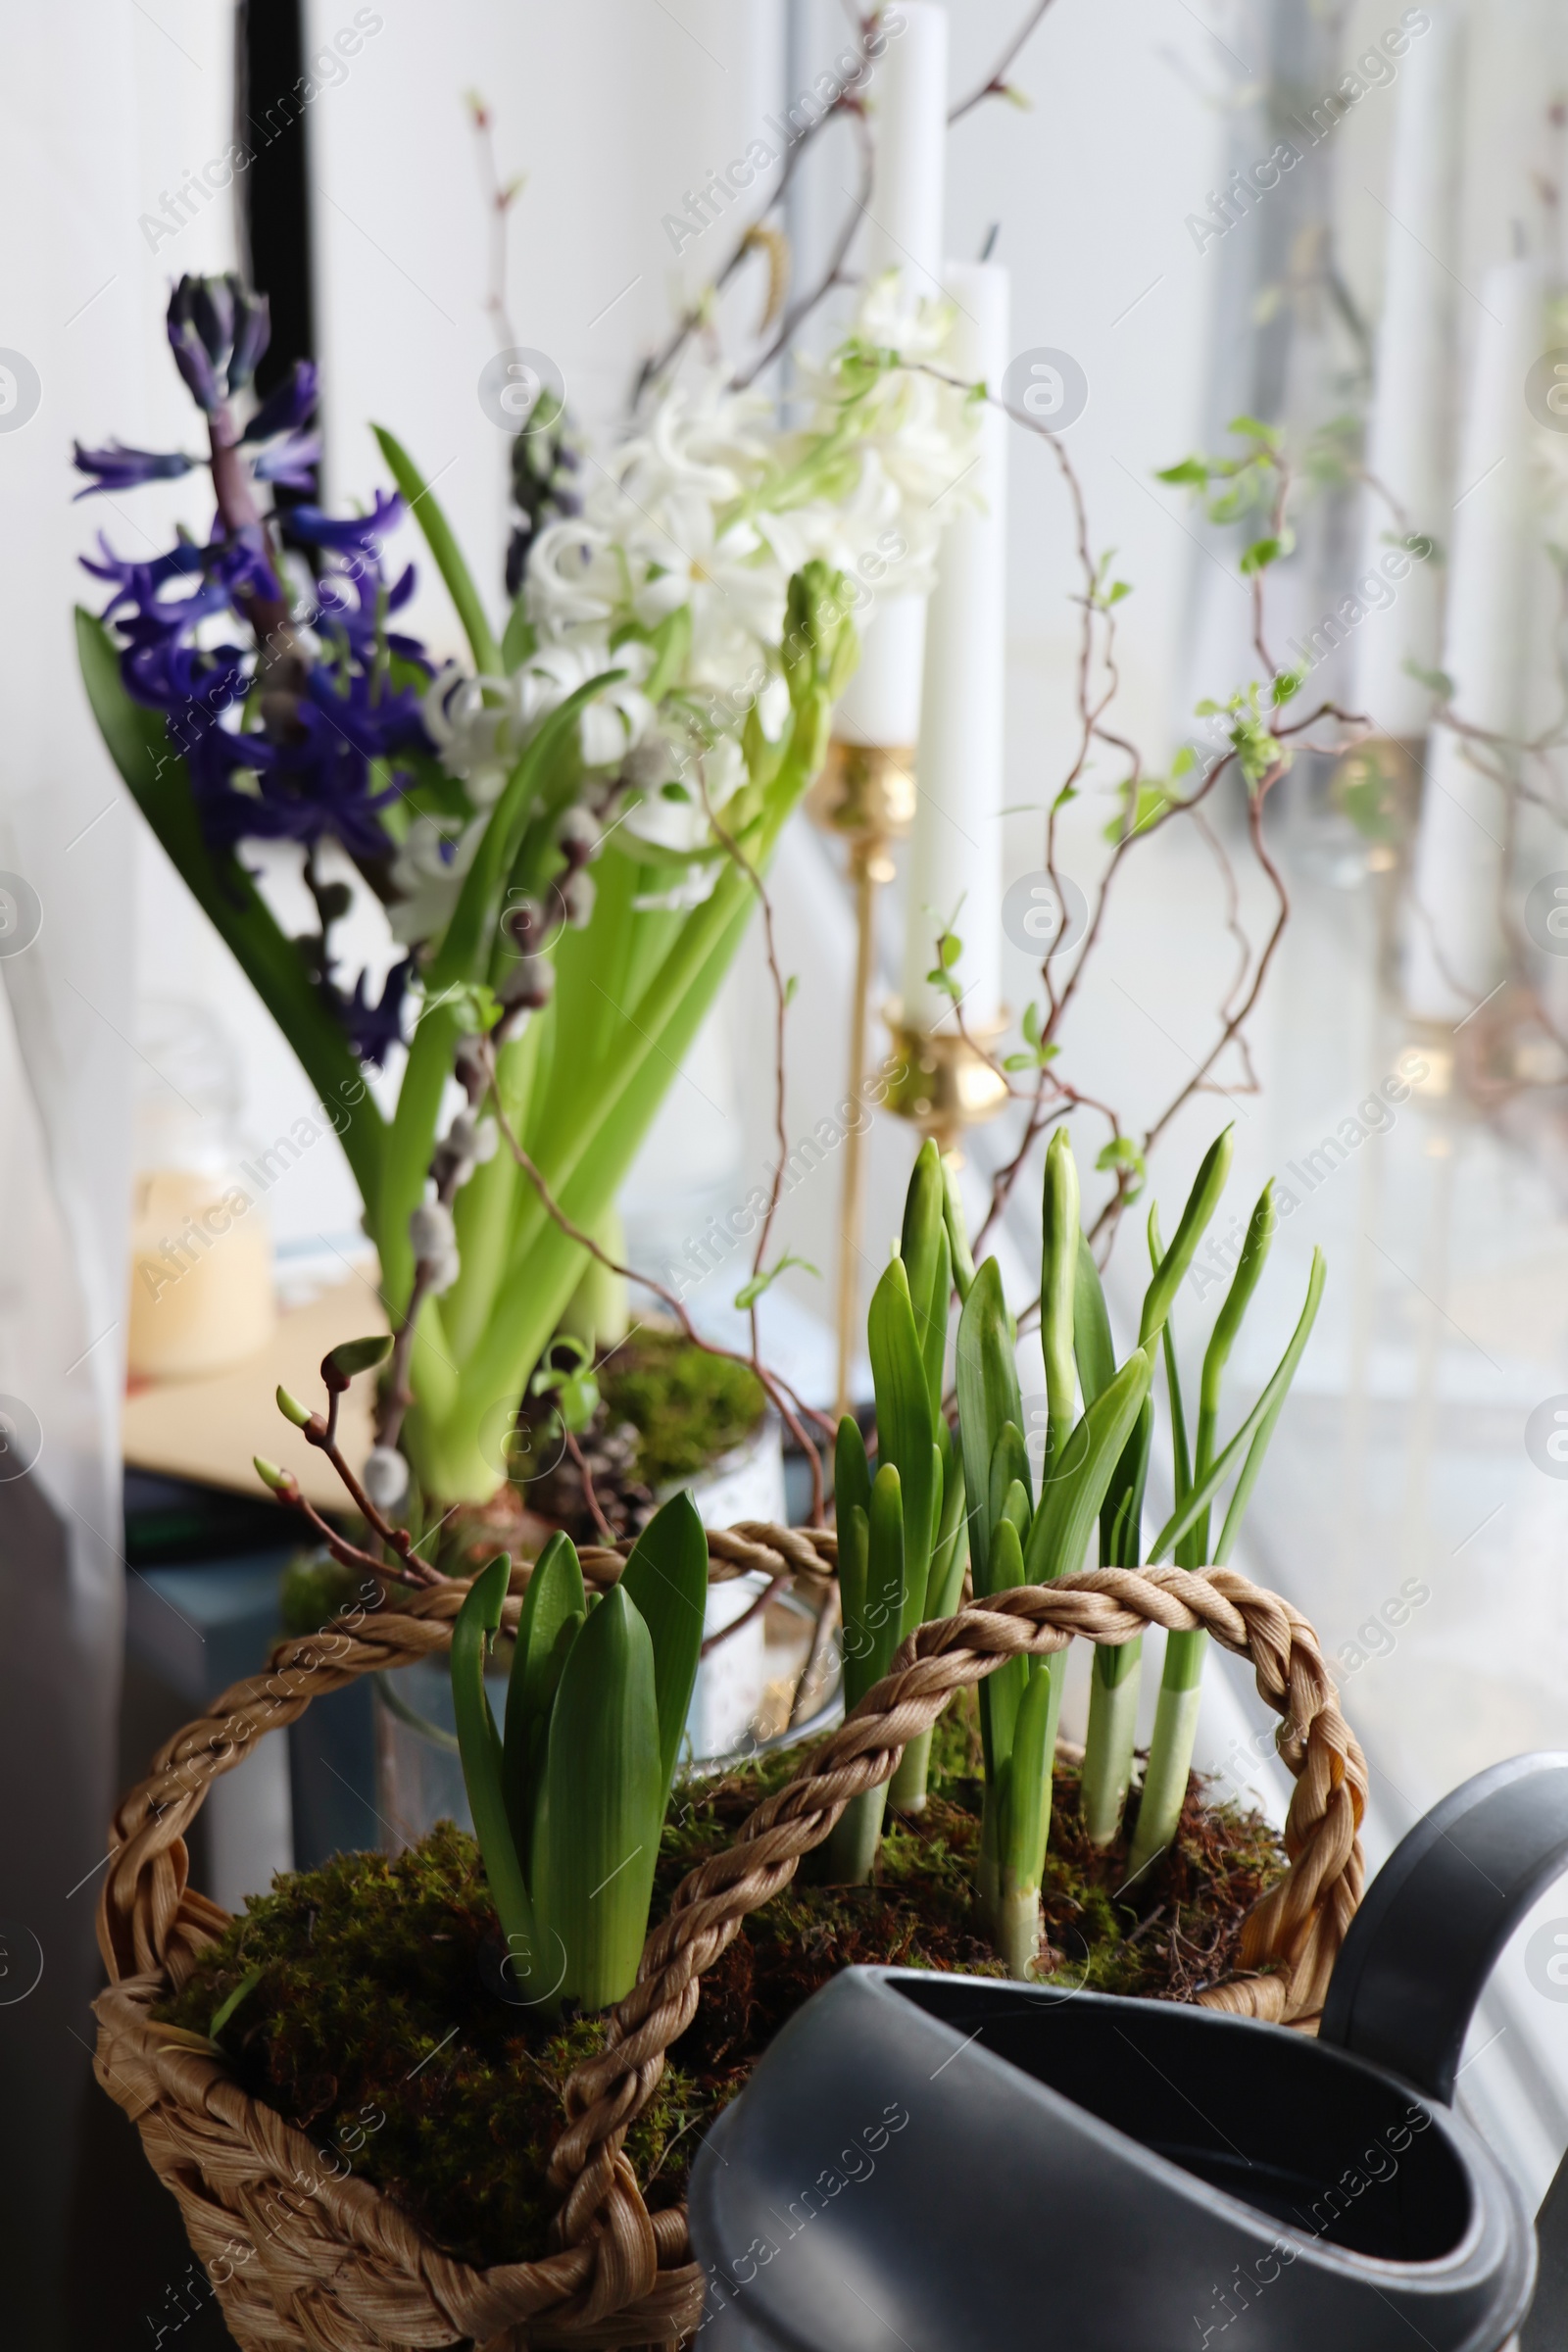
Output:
(299, 2259)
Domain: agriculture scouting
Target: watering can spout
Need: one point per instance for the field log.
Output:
(1435, 1919)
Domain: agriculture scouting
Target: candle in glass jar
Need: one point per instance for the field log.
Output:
(201, 1274)
(201, 1252)
(954, 872)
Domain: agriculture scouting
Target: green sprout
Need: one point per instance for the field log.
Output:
(1185, 1533)
(1259, 753)
(905, 1530)
(1097, 1451)
(1016, 1539)
(568, 1800)
(571, 1381)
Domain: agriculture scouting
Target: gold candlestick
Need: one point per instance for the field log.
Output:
(864, 794)
(942, 1081)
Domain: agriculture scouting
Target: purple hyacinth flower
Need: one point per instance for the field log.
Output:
(374, 1029)
(217, 330)
(118, 468)
(190, 358)
(292, 460)
(209, 306)
(288, 407)
(348, 534)
(139, 584)
(253, 331)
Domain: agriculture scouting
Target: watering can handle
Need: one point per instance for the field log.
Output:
(1432, 1924)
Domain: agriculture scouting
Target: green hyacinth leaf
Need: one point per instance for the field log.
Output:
(852, 1472)
(483, 1773)
(1121, 1514)
(859, 1647)
(1070, 1504)
(602, 1809)
(1202, 1201)
(1010, 1469)
(1029, 1768)
(905, 1421)
(554, 1609)
(1091, 1326)
(988, 1399)
(666, 1576)
(958, 1231)
(1002, 1692)
(1258, 1425)
(885, 1569)
(927, 1261)
(950, 1551)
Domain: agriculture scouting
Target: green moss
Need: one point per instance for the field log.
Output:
(687, 1406)
(375, 2001)
(315, 1588)
(1181, 1932)
(374, 2024)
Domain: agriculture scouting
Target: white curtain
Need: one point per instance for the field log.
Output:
(93, 132)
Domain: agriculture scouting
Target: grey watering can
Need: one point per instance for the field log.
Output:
(951, 2164)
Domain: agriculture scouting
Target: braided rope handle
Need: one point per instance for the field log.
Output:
(148, 1916)
(1296, 1928)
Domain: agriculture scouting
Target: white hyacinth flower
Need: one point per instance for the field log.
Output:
(708, 511)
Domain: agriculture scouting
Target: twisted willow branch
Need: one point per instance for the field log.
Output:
(311, 2259)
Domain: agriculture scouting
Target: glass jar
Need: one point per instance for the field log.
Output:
(200, 1250)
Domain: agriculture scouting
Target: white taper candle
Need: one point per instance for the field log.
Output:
(1410, 426)
(903, 231)
(1455, 952)
(955, 843)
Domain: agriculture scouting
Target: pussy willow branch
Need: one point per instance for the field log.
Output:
(396, 1395)
(792, 1409)
(771, 1590)
(320, 1431)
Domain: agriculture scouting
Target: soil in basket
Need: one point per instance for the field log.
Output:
(374, 2025)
